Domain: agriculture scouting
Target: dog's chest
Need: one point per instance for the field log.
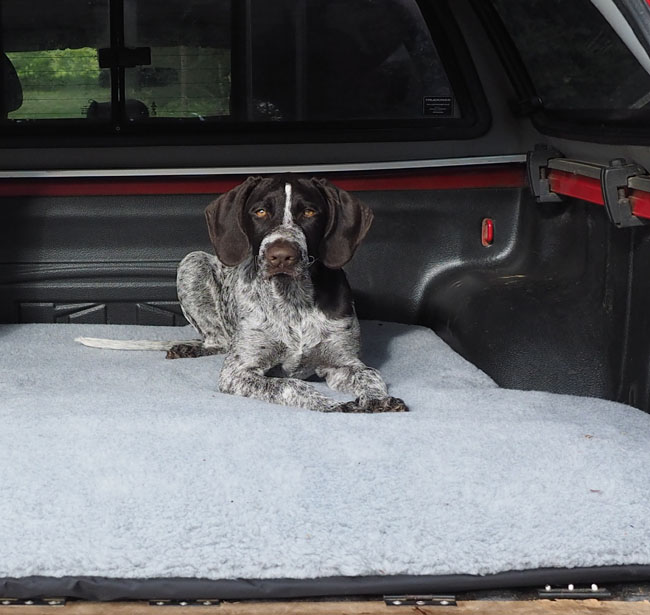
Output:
(299, 333)
(301, 339)
(304, 341)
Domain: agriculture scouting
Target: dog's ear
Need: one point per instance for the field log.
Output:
(348, 223)
(224, 218)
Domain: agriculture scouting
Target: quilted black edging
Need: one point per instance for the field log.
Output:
(107, 589)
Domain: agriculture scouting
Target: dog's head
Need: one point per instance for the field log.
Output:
(286, 224)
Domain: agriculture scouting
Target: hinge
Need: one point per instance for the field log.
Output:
(32, 601)
(571, 592)
(204, 602)
(614, 179)
(420, 600)
(537, 168)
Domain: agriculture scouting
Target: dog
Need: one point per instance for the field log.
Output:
(275, 299)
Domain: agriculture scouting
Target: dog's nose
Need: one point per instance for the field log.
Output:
(281, 255)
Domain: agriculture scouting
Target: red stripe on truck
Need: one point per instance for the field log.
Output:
(491, 176)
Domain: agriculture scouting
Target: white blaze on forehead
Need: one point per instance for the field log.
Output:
(288, 230)
(288, 219)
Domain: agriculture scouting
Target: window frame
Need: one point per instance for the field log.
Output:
(454, 55)
(565, 124)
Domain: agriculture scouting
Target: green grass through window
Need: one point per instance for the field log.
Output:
(182, 82)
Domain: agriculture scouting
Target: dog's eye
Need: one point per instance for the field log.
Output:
(309, 213)
(261, 212)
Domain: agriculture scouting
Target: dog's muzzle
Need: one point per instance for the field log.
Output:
(284, 253)
(281, 256)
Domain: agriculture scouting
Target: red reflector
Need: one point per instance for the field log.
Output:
(487, 232)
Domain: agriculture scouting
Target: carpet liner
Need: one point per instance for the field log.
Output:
(124, 465)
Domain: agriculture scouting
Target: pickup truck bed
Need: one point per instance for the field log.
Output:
(520, 488)
(503, 286)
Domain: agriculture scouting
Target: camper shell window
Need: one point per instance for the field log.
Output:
(221, 67)
(584, 76)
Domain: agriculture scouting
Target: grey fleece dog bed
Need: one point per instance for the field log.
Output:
(125, 465)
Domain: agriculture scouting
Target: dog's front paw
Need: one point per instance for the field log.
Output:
(386, 404)
(348, 407)
(373, 406)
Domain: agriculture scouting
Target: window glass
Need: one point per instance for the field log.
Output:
(574, 57)
(49, 65)
(344, 60)
(298, 60)
(189, 74)
(221, 61)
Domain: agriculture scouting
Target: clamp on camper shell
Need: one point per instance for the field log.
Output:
(622, 187)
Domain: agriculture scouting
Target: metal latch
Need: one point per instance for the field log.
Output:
(537, 168)
(32, 602)
(613, 180)
(420, 600)
(571, 592)
(204, 602)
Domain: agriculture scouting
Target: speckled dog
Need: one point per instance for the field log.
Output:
(275, 300)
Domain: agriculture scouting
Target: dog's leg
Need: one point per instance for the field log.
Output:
(238, 378)
(366, 384)
(199, 285)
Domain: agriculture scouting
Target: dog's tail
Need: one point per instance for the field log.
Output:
(96, 342)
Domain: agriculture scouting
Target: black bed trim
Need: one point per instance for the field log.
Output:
(105, 589)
